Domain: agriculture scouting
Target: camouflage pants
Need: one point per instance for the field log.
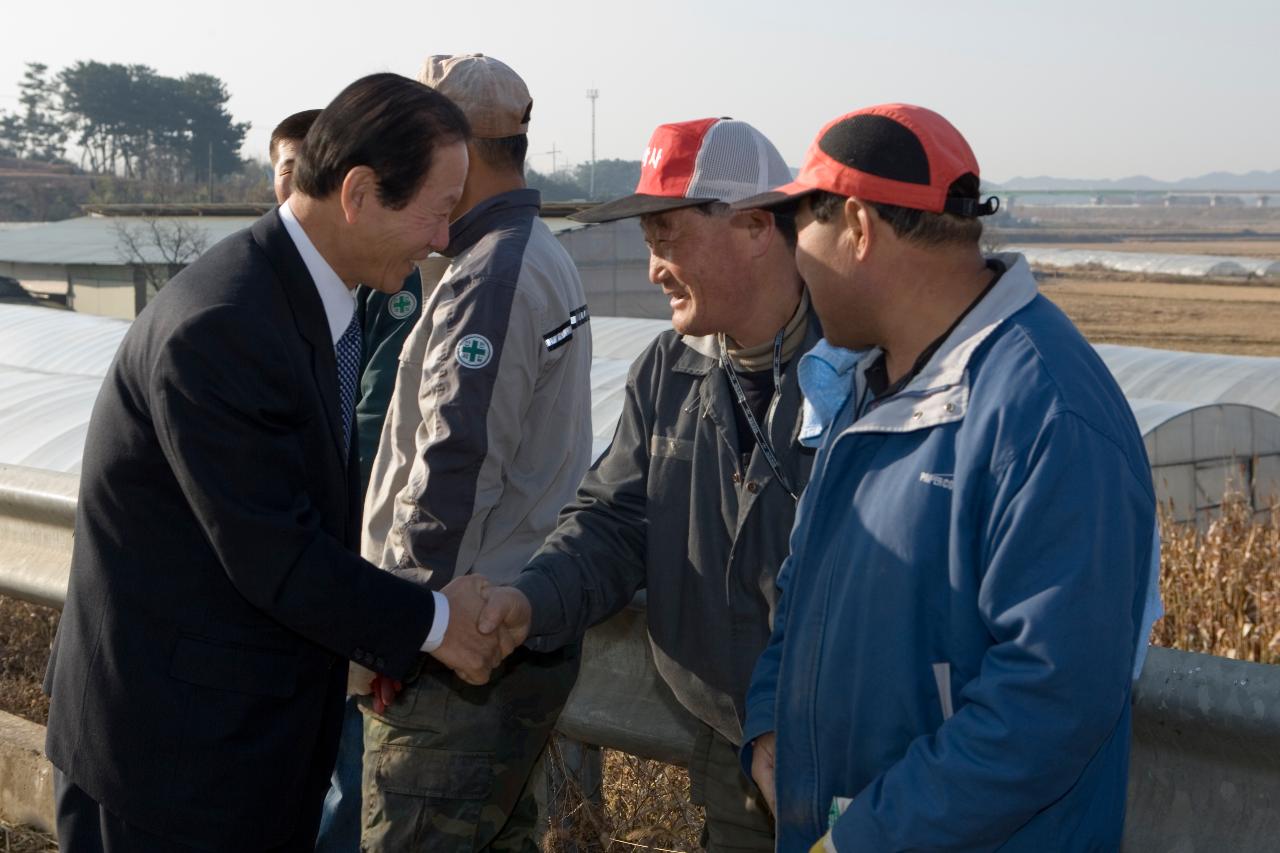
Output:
(447, 766)
(738, 820)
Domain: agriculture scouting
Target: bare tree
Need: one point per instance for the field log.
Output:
(159, 249)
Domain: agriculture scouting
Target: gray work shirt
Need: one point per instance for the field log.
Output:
(669, 509)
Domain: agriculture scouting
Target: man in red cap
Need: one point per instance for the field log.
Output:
(951, 659)
(695, 497)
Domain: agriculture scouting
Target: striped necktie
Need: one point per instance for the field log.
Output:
(349, 351)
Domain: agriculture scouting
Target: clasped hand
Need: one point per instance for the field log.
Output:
(486, 623)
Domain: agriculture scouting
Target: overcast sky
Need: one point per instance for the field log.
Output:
(1085, 89)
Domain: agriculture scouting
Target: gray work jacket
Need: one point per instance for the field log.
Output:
(668, 509)
(489, 427)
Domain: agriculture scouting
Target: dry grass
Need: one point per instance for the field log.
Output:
(26, 636)
(644, 805)
(1221, 586)
(22, 839)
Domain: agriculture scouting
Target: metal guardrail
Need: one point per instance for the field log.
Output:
(1204, 768)
(37, 514)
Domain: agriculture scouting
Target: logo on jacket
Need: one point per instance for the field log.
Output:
(942, 481)
(402, 305)
(474, 351)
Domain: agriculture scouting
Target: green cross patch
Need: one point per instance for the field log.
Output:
(402, 305)
(474, 351)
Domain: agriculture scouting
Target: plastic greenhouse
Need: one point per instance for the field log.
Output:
(1209, 421)
(1152, 263)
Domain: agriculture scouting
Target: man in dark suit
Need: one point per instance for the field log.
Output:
(385, 321)
(197, 677)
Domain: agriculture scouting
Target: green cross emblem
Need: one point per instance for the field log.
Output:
(402, 305)
(474, 351)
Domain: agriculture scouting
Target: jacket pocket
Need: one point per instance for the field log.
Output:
(417, 798)
(942, 678)
(423, 702)
(229, 666)
(433, 773)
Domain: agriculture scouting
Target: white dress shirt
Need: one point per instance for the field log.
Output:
(339, 307)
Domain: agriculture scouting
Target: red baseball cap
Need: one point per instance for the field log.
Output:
(896, 154)
(690, 163)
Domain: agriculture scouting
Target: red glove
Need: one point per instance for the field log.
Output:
(384, 692)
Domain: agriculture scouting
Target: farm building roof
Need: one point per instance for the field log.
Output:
(95, 240)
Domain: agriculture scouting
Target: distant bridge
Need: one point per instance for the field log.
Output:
(1262, 196)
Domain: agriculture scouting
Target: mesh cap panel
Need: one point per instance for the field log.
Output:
(736, 161)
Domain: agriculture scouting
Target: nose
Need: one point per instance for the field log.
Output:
(658, 272)
(440, 236)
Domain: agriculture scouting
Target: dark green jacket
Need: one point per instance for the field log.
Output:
(386, 321)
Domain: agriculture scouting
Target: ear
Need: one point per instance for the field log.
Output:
(757, 226)
(359, 190)
(859, 224)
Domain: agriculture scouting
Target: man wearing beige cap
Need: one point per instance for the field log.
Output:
(487, 436)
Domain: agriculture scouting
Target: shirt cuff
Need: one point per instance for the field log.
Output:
(439, 624)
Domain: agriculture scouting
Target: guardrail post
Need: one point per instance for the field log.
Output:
(575, 781)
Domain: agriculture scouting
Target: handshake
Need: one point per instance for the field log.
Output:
(486, 623)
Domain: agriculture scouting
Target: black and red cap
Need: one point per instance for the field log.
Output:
(896, 154)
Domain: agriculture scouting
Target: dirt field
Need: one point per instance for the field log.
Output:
(1225, 317)
(1244, 320)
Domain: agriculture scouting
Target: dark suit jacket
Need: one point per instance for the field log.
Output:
(197, 676)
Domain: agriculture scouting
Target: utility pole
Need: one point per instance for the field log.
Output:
(553, 152)
(210, 173)
(592, 94)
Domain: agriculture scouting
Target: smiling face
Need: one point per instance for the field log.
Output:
(695, 258)
(393, 241)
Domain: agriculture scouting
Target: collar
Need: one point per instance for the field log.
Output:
(467, 229)
(878, 372)
(760, 357)
(339, 300)
(701, 354)
(827, 378)
(939, 393)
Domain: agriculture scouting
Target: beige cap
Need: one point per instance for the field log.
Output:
(494, 99)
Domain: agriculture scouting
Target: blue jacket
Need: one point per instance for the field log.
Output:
(952, 654)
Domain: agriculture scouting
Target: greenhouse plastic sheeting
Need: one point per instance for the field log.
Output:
(623, 337)
(1194, 377)
(1152, 263)
(53, 341)
(52, 363)
(44, 418)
